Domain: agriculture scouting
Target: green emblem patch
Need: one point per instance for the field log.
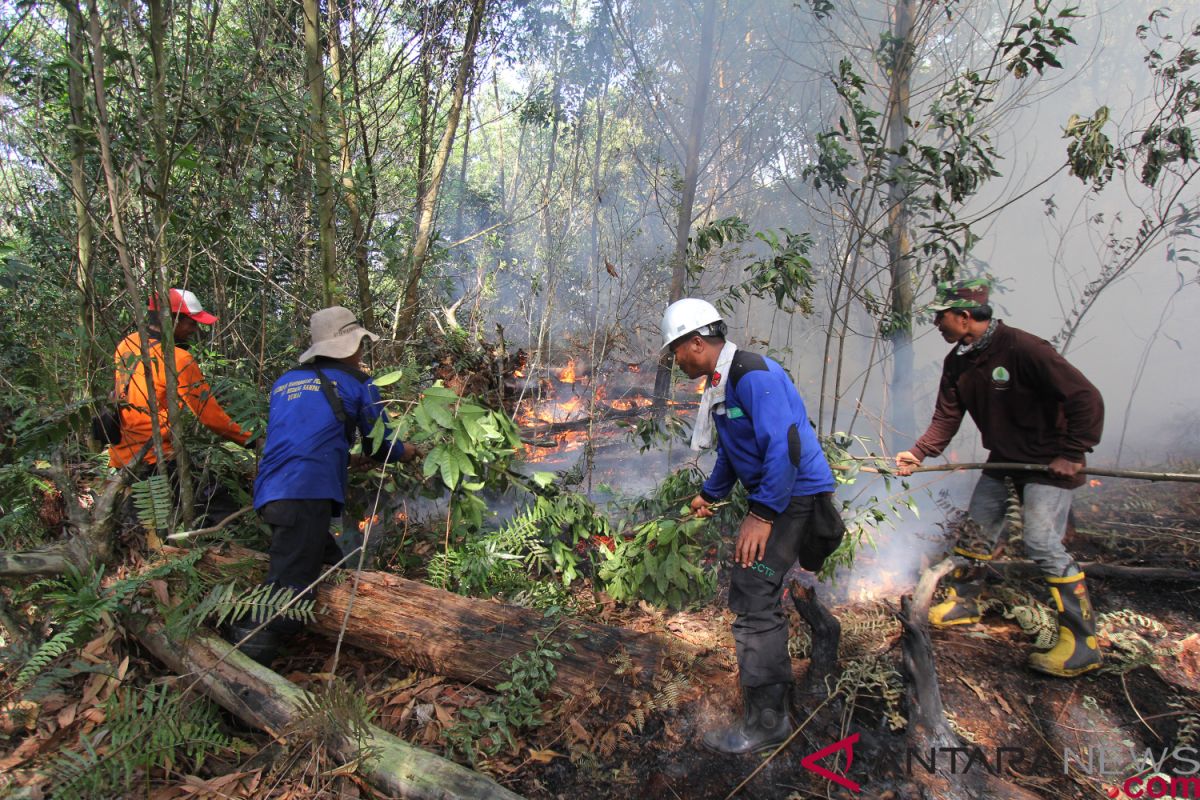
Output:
(736, 413)
(1000, 375)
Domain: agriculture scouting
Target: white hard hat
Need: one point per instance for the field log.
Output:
(686, 316)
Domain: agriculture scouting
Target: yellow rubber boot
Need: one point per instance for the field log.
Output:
(961, 606)
(1076, 651)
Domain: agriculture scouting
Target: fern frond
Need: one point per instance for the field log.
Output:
(154, 501)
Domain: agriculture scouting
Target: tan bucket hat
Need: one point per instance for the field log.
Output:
(336, 333)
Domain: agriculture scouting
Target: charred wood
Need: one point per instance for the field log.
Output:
(826, 636)
(1097, 569)
(602, 415)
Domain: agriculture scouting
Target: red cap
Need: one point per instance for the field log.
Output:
(186, 303)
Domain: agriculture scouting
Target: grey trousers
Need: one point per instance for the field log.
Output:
(1044, 513)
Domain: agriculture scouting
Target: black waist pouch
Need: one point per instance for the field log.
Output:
(823, 534)
(106, 426)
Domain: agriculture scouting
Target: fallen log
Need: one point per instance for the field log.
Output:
(266, 701)
(90, 531)
(1096, 569)
(470, 640)
(603, 414)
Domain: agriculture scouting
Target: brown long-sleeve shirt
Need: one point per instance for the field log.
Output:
(1030, 405)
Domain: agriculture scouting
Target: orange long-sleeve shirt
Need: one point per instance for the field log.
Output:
(136, 423)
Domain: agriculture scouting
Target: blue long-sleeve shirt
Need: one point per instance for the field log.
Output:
(307, 450)
(764, 440)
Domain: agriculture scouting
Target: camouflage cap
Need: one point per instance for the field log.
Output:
(960, 294)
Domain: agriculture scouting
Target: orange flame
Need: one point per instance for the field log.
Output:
(368, 521)
(518, 373)
(567, 375)
(1094, 483)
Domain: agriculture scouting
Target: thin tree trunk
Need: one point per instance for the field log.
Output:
(404, 319)
(319, 131)
(112, 184)
(84, 276)
(337, 57)
(691, 176)
(462, 172)
(898, 240)
(162, 216)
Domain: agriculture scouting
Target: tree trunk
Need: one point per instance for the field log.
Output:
(319, 131)
(337, 61)
(84, 276)
(160, 284)
(264, 700)
(691, 176)
(112, 184)
(404, 318)
(470, 640)
(898, 240)
(826, 638)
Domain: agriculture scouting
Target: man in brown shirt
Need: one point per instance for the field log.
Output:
(1031, 406)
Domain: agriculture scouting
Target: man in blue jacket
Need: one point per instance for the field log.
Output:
(316, 410)
(764, 440)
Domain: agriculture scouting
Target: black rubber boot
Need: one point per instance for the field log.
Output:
(262, 646)
(1076, 651)
(766, 722)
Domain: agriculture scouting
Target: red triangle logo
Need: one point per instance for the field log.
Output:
(809, 762)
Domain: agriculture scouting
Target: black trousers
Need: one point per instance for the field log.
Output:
(301, 546)
(761, 630)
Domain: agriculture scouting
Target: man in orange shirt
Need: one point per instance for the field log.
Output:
(132, 393)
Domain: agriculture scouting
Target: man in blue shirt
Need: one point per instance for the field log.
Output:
(315, 411)
(764, 440)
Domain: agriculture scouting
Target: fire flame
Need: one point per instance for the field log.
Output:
(1094, 483)
(567, 374)
(367, 521)
(518, 373)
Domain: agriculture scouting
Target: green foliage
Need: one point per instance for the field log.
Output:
(651, 431)
(336, 711)
(489, 728)
(865, 514)
(19, 489)
(148, 728)
(1034, 43)
(1090, 153)
(154, 501)
(543, 538)
(660, 564)
(78, 601)
(786, 276)
(227, 603)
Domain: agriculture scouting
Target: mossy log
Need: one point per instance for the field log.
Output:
(264, 700)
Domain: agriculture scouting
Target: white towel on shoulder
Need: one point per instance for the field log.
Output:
(713, 400)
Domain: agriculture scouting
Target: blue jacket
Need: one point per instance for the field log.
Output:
(307, 450)
(764, 440)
